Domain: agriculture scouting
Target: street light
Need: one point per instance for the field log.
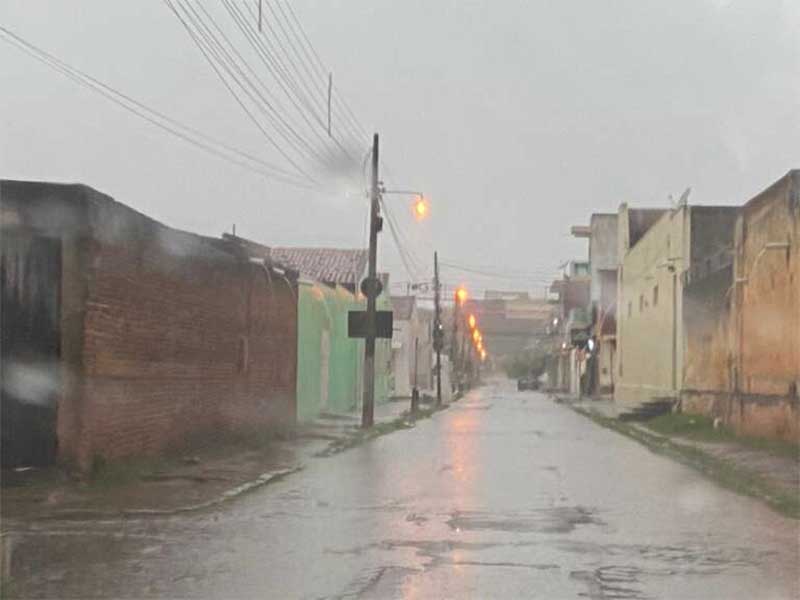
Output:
(421, 208)
(461, 295)
(472, 322)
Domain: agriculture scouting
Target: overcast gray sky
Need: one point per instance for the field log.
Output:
(518, 119)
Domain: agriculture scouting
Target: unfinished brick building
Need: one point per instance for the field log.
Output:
(122, 336)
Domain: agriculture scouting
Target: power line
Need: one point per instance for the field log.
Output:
(154, 117)
(399, 244)
(271, 58)
(495, 273)
(320, 90)
(273, 113)
(196, 39)
(349, 114)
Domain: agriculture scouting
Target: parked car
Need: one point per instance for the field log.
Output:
(527, 383)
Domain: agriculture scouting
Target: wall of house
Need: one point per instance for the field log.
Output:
(765, 315)
(424, 333)
(767, 318)
(402, 357)
(649, 357)
(602, 249)
(167, 339)
(180, 340)
(329, 363)
(706, 310)
(707, 297)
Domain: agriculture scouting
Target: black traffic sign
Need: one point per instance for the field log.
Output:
(357, 324)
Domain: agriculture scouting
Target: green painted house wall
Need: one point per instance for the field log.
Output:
(329, 364)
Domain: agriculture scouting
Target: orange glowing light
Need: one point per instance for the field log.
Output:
(471, 321)
(421, 208)
(476, 335)
(483, 354)
(461, 295)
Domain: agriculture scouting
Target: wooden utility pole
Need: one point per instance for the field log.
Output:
(372, 289)
(438, 333)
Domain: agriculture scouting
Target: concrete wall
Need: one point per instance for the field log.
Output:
(602, 249)
(765, 319)
(167, 338)
(707, 333)
(649, 311)
(402, 355)
(767, 306)
(329, 363)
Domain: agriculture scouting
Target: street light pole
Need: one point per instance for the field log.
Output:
(438, 333)
(375, 222)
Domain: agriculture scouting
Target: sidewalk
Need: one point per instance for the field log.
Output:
(736, 463)
(192, 480)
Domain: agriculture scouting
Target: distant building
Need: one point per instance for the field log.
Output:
(509, 321)
(570, 327)
(602, 235)
(411, 347)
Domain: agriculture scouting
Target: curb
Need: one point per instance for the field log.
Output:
(228, 495)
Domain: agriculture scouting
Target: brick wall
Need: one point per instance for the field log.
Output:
(167, 337)
(181, 339)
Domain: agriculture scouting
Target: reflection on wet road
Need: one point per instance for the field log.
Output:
(504, 495)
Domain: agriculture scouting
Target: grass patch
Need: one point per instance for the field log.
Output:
(725, 472)
(701, 428)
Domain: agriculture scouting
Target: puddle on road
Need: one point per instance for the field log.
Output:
(610, 582)
(560, 519)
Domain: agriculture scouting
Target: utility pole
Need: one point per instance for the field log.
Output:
(372, 288)
(415, 390)
(438, 333)
(454, 349)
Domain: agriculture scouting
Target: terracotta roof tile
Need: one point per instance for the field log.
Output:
(330, 265)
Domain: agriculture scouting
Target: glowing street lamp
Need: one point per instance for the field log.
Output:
(421, 208)
(461, 295)
(472, 322)
(476, 335)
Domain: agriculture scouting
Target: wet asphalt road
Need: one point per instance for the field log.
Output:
(504, 495)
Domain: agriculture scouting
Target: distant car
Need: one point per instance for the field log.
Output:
(527, 383)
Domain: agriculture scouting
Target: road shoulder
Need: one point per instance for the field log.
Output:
(745, 470)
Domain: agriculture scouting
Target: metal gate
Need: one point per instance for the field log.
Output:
(30, 336)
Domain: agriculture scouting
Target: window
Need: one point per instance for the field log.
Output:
(655, 295)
